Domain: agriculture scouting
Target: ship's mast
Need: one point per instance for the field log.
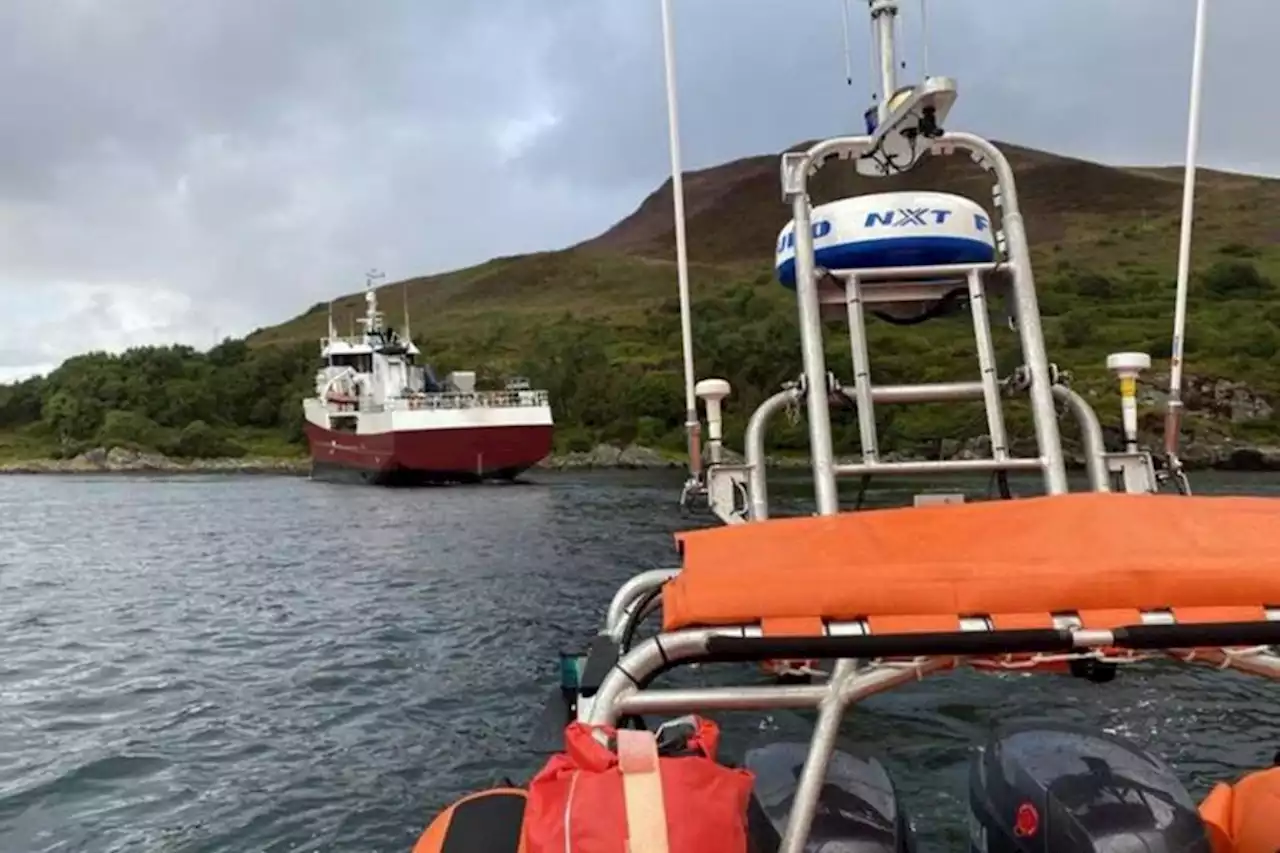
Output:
(333, 333)
(404, 293)
(883, 15)
(372, 319)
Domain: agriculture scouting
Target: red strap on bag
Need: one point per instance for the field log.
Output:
(642, 792)
(630, 799)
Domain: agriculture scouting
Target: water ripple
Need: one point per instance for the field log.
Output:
(232, 664)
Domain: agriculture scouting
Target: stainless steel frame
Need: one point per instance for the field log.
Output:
(628, 596)
(619, 694)
(853, 290)
(1098, 463)
(796, 169)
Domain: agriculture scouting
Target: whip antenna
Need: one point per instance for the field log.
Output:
(924, 38)
(1173, 416)
(844, 33)
(691, 423)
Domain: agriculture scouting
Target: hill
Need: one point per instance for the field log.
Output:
(601, 318)
(597, 324)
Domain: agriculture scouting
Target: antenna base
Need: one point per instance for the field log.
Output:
(912, 113)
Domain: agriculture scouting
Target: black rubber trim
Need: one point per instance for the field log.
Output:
(966, 643)
(731, 649)
(634, 618)
(726, 649)
(1217, 635)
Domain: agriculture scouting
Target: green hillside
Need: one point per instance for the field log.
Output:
(598, 324)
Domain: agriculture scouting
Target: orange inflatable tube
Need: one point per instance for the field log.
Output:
(1213, 558)
(1245, 817)
(483, 822)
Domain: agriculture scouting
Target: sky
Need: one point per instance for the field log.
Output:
(186, 171)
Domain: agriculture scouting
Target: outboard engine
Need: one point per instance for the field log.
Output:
(858, 810)
(1062, 789)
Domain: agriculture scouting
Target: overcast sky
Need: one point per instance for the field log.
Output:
(184, 170)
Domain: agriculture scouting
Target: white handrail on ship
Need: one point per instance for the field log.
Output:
(454, 400)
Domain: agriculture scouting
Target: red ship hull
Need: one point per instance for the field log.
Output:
(425, 457)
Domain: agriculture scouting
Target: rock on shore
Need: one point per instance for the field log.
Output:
(608, 456)
(123, 460)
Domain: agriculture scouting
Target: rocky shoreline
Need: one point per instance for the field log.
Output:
(117, 460)
(1219, 457)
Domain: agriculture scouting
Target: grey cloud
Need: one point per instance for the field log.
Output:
(1093, 77)
(225, 164)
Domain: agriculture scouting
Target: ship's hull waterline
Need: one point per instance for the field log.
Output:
(427, 456)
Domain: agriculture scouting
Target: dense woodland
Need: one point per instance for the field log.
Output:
(625, 386)
(225, 402)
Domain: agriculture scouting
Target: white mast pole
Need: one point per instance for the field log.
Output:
(692, 426)
(883, 13)
(844, 33)
(1174, 413)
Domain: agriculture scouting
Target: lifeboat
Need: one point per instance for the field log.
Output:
(1100, 577)
(1087, 585)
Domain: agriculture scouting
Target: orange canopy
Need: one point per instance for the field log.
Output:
(1071, 553)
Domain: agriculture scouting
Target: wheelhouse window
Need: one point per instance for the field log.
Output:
(360, 362)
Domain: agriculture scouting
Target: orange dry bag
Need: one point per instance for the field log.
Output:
(1245, 817)
(625, 791)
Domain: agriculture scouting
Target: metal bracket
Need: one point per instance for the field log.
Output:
(793, 174)
(1134, 473)
(693, 488)
(728, 493)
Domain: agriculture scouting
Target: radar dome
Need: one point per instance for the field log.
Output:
(899, 229)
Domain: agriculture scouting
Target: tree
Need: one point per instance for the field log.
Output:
(72, 417)
(133, 430)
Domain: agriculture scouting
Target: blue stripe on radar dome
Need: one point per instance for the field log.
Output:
(917, 251)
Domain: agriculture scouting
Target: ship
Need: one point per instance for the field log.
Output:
(381, 418)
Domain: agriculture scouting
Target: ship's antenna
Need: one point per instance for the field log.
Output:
(844, 33)
(371, 299)
(924, 39)
(333, 333)
(872, 71)
(404, 292)
(1173, 416)
(691, 423)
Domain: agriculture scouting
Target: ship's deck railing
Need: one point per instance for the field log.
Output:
(357, 344)
(473, 400)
